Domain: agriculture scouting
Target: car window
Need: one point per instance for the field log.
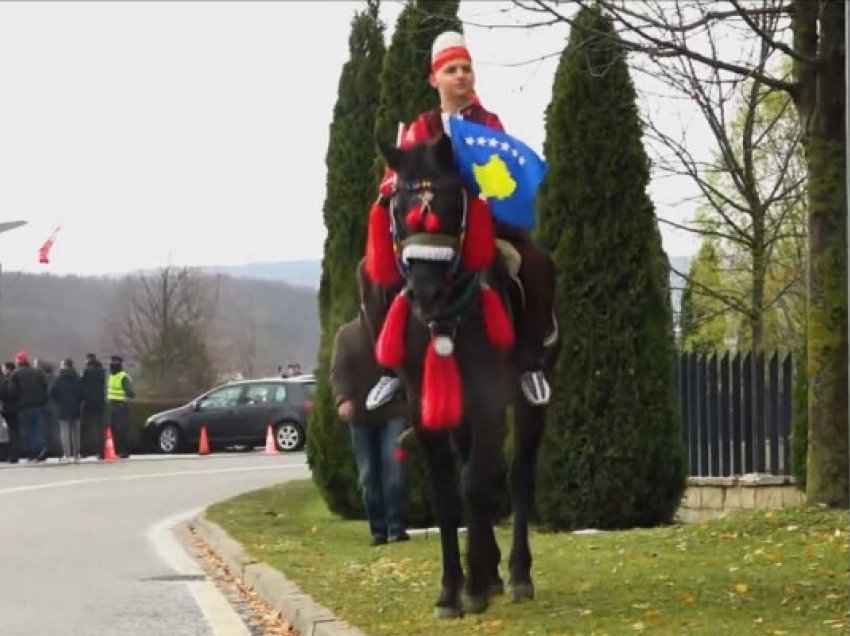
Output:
(279, 394)
(264, 393)
(222, 398)
(310, 388)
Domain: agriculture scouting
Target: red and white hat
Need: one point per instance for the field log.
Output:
(448, 46)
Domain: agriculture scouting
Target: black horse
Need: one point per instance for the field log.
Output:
(431, 216)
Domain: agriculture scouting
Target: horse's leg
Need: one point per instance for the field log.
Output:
(447, 509)
(481, 485)
(528, 431)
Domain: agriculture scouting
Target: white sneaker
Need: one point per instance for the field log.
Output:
(382, 392)
(535, 388)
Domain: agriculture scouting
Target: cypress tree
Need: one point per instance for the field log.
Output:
(350, 191)
(611, 455)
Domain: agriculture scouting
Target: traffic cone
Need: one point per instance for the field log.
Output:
(271, 447)
(109, 447)
(204, 444)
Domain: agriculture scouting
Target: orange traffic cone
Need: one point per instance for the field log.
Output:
(271, 447)
(204, 444)
(109, 447)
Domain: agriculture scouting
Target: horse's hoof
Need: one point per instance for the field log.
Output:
(496, 588)
(521, 591)
(478, 603)
(441, 612)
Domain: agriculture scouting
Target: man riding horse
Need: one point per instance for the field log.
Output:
(454, 79)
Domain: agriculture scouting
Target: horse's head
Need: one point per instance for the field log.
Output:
(430, 214)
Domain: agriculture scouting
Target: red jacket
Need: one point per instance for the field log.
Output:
(429, 126)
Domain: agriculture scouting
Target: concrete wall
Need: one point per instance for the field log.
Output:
(712, 497)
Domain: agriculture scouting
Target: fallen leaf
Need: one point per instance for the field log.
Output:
(741, 588)
(650, 614)
(687, 599)
(639, 626)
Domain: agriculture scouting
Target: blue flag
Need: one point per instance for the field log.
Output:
(502, 168)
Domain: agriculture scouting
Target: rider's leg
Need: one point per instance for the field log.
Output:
(536, 328)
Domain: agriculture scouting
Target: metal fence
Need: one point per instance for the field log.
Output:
(736, 413)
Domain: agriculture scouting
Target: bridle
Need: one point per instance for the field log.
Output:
(436, 247)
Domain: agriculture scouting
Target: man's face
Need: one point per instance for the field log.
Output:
(455, 80)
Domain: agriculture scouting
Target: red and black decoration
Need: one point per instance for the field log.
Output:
(390, 350)
(497, 323)
(442, 397)
(479, 243)
(381, 266)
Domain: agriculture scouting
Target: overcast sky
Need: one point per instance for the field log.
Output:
(194, 133)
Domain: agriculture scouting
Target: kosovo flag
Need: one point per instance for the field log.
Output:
(503, 169)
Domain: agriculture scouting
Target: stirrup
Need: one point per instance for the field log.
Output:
(382, 392)
(535, 388)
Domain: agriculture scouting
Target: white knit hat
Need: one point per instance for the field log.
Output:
(448, 46)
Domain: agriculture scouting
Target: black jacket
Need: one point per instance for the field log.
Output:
(93, 387)
(28, 387)
(66, 392)
(10, 404)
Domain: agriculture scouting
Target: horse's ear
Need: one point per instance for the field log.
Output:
(444, 153)
(391, 155)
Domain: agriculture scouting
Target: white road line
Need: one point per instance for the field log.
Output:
(220, 615)
(176, 473)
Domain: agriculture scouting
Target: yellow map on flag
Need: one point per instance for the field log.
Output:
(494, 178)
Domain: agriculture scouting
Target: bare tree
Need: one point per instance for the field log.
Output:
(811, 34)
(163, 326)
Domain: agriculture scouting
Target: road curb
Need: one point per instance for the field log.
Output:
(305, 615)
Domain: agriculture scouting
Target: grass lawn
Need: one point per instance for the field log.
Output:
(765, 572)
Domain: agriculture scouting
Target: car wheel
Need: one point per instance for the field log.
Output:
(289, 437)
(168, 439)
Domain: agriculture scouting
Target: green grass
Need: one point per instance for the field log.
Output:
(764, 572)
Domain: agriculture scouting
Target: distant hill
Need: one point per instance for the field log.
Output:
(303, 273)
(259, 324)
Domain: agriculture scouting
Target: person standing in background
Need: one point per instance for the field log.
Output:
(119, 392)
(65, 393)
(10, 413)
(93, 389)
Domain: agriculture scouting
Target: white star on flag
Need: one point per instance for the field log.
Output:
(514, 152)
(481, 141)
(470, 141)
(506, 146)
(494, 142)
(521, 161)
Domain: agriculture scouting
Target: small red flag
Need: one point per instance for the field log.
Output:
(44, 250)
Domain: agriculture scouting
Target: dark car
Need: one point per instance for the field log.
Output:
(238, 414)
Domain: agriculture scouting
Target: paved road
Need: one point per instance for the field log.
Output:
(86, 549)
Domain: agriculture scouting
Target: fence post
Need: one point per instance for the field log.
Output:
(773, 413)
(713, 434)
(787, 411)
(724, 421)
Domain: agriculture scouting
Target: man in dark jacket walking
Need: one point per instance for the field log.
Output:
(374, 434)
(65, 393)
(93, 389)
(10, 413)
(28, 387)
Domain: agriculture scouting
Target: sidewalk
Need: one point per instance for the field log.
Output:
(307, 616)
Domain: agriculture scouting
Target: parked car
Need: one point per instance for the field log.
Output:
(238, 414)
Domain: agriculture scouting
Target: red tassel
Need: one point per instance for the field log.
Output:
(500, 331)
(381, 265)
(399, 454)
(390, 349)
(479, 244)
(442, 402)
